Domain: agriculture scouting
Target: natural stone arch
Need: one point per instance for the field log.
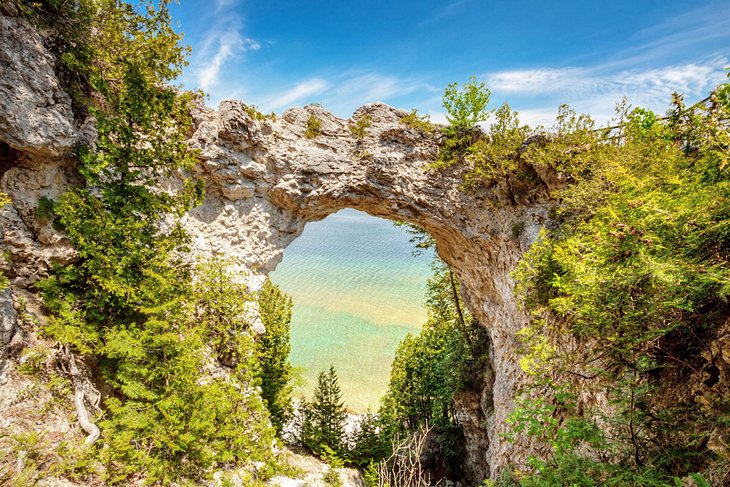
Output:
(266, 180)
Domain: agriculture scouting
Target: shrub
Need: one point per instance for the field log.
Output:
(636, 275)
(359, 128)
(314, 127)
(418, 122)
(323, 421)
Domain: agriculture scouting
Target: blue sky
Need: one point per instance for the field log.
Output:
(533, 54)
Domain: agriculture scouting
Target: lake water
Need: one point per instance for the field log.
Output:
(357, 292)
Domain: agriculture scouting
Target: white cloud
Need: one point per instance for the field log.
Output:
(446, 11)
(681, 33)
(310, 87)
(438, 117)
(689, 78)
(538, 116)
(353, 90)
(223, 4)
(219, 47)
(595, 90)
(372, 87)
(343, 93)
(540, 80)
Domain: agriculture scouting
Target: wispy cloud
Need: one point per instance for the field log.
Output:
(596, 89)
(535, 117)
(221, 45)
(681, 33)
(371, 87)
(223, 4)
(345, 92)
(689, 78)
(662, 59)
(308, 88)
(354, 89)
(449, 9)
(538, 80)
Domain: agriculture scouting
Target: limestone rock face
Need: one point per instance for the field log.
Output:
(35, 113)
(8, 322)
(265, 180)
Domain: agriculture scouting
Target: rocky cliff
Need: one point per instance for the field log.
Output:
(265, 179)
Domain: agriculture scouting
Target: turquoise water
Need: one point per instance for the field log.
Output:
(357, 292)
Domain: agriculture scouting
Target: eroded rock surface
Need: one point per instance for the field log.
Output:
(265, 180)
(36, 113)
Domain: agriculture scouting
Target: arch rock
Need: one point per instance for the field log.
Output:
(265, 179)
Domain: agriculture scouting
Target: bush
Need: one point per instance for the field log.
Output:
(131, 303)
(636, 274)
(418, 122)
(314, 127)
(360, 128)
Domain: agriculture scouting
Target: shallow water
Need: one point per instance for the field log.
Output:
(357, 292)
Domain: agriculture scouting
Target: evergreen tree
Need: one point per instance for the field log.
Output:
(429, 369)
(128, 303)
(325, 417)
(368, 444)
(273, 348)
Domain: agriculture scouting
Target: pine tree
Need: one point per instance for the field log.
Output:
(128, 303)
(326, 415)
(273, 352)
(368, 444)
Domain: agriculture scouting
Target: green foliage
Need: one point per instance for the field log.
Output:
(273, 347)
(572, 145)
(332, 478)
(518, 229)
(637, 274)
(44, 211)
(497, 156)
(68, 25)
(369, 441)
(419, 237)
(430, 369)
(418, 122)
(168, 421)
(466, 107)
(170, 342)
(4, 200)
(314, 127)
(323, 427)
(503, 153)
(33, 360)
(253, 112)
(29, 446)
(371, 476)
(360, 128)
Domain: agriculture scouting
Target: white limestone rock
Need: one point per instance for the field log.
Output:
(35, 113)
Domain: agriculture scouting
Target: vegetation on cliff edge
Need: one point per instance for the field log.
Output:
(169, 339)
